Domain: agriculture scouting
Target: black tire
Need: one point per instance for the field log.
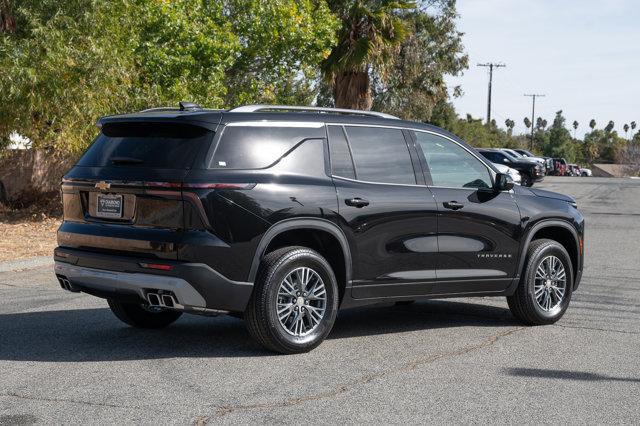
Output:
(526, 180)
(136, 315)
(523, 303)
(261, 315)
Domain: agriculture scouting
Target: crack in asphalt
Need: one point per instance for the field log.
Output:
(67, 400)
(608, 330)
(340, 389)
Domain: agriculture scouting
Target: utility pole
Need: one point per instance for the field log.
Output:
(533, 115)
(491, 66)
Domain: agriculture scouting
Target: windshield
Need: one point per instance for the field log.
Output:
(154, 145)
(509, 156)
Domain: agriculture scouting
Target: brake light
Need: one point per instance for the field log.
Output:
(158, 266)
(163, 184)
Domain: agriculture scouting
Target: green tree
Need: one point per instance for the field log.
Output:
(527, 122)
(69, 62)
(575, 128)
(559, 143)
(368, 40)
(415, 83)
(633, 127)
(626, 129)
(592, 124)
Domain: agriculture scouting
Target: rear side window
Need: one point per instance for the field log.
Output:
(380, 155)
(341, 162)
(256, 146)
(155, 145)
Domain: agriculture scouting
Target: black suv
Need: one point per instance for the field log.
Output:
(530, 170)
(283, 215)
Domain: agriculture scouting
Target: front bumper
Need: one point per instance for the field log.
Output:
(196, 286)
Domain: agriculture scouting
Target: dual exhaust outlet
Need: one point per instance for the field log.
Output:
(163, 300)
(66, 284)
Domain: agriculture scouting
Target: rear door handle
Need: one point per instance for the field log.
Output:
(356, 202)
(452, 205)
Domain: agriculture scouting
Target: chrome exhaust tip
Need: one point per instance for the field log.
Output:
(168, 301)
(154, 300)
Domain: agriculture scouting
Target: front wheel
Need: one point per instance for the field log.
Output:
(526, 180)
(294, 301)
(546, 284)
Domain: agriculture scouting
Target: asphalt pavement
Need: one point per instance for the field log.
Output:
(64, 358)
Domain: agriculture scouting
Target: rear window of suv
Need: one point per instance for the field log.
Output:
(257, 145)
(154, 145)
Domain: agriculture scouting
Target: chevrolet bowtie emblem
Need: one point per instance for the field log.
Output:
(103, 186)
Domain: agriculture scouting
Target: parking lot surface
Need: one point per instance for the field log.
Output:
(65, 358)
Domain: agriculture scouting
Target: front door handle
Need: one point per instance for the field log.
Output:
(356, 202)
(452, 205)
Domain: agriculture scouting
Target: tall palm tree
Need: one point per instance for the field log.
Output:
(527, 122)
(510, 125)
(7, 21)
(633, 127)
(626, 129)
(544, 124)
(371, 33)
(610, 126)
(592, 124)
(575, 128)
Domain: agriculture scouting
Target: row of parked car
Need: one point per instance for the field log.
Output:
(526, 168)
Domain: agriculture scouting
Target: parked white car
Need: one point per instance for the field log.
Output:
(515, 175)
(585, 172)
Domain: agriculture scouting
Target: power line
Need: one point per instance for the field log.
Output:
(533, 114)
(491, 66)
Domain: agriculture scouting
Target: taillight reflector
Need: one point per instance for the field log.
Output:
(158, 266)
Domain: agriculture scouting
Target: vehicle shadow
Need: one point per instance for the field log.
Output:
(90, 335)
(567, 375)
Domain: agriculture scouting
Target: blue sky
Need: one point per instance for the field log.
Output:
(584, 55)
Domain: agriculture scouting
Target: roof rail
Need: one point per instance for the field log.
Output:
(160, 109)
(258, 108)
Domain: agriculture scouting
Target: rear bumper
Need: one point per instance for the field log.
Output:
(196, 286)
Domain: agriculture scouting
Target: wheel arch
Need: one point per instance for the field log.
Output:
(560, 231)
(282, 234)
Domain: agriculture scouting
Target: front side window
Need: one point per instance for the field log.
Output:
(380, 155)
(451, 165)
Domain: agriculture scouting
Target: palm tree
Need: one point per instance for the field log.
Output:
(633, 127)
(527, 122)
(7, 21)
(626, 129)
(575, 128)
(539, 122)
(592, 124)
(609, 127)
(510, 125)
(544, 124)
(371, 33)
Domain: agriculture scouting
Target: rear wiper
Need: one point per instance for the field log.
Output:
(126, 160)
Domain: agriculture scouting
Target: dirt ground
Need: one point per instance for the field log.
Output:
(29, 230)
(25, 239)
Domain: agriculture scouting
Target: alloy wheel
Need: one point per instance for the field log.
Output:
(301, 301)
(550, 283)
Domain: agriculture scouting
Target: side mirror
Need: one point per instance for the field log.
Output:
(503, 182)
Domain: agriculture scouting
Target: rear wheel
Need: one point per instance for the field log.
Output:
(294, 301)
(142, 316)
(545, 288)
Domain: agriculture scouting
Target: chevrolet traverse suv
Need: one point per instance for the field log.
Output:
(284, 215)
